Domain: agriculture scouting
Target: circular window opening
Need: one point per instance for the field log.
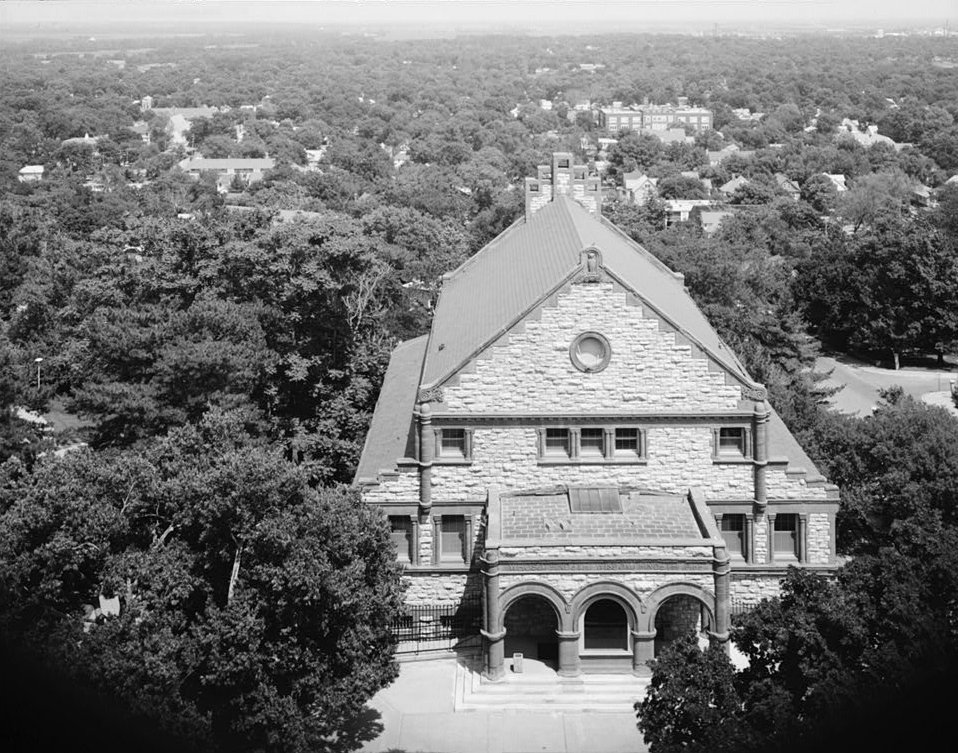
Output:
(590, 352)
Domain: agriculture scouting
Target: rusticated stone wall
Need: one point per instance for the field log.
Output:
(530, 369)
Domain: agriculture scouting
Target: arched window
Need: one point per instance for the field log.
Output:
(606, 626)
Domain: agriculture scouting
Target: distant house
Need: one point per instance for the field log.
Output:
(712, 220)
(733, 185)
(717, 157)
(867, 137)
(30, 174)
(787, 186)
(678, 210)
(653, 117)
(142, 129)
(638, 188)
(181, 119)
(247, 170)
(85, 140)
(837, 180)
(922, 196)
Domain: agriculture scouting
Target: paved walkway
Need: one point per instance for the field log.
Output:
(416, 713)
(863, 381)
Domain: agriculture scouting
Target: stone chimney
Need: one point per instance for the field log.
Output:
(563, 178)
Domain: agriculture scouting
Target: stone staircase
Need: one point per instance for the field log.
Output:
(539, 688)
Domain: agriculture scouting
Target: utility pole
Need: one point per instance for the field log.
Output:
(38, 361)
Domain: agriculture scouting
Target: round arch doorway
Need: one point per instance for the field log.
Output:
(680, 615)
(531, 623)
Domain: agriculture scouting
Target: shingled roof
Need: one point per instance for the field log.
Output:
(508, 278)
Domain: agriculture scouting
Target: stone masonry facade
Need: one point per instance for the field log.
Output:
(691, 513)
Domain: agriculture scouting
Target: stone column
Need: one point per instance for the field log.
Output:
(721, 572)
(643, 651)
(568, 653)
(493, 638)
(760, 453)
(414, 519)
(802, 534)
(771, 537)
(427, 452)
(750, 539)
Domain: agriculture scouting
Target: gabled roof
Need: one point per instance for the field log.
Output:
(518, 270)
(390, 433)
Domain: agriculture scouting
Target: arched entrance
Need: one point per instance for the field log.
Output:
(679, 615)
(605, 626)
(531, 623)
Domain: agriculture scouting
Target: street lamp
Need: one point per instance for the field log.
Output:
(38, 361)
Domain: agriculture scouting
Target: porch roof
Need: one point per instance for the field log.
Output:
(545, 517)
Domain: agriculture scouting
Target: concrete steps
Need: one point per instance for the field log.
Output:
(545, 691)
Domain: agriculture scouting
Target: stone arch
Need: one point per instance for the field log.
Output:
(607, 589)
(555, 599)
(663, 593)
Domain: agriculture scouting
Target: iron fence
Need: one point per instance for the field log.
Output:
(424, 623)
(738, 609)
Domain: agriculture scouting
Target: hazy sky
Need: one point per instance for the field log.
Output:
(60, 16)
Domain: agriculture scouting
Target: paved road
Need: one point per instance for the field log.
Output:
(862, 383)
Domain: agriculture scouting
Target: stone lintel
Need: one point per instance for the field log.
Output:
(703, 567)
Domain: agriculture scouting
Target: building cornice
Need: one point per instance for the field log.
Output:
(536, 419)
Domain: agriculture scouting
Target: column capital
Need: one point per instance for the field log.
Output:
(641, 635)
(570, 635)
(719, 637)
(493, 637)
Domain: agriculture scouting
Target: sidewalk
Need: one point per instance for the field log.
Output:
(417, 714)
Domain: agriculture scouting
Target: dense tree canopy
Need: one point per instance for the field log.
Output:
(253, 613)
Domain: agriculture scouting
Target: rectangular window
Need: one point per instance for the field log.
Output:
(785, 538)
(557, 442)
(401, 528)
(453, 535)
(733, 531)
(592, 443)
(452, 443)
(731, 441)
(563, 164)
(627, 443)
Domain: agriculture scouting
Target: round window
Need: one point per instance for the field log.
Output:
(590, 352)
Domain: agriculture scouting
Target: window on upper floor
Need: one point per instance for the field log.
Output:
(454, 444)
(731, 442)
(556, 443)
(785, 535)
(400, 527)
(628, 442)
(452, 536)
(592, 442)
(733, 531)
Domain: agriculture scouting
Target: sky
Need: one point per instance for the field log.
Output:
(82, 16)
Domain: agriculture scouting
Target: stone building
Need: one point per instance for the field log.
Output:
(574, 442)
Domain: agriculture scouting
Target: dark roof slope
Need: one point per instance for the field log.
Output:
(390, 435)
(517, 270)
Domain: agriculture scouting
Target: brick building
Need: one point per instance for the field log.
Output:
(653, 118)
(574, 442)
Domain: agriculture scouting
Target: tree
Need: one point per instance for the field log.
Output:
(874, 196)
(893, 288)
(681, 187)
(691, 703)
(820, 193)
(253, 612)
